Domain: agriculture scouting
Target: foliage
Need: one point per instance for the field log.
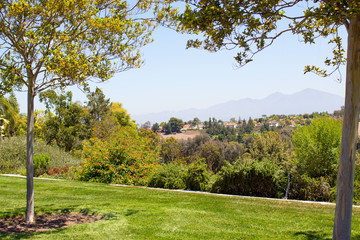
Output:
(9, 112)
(197, 176)
(263, 179)
(58, 43)
(65, 127)
(13, 155)
(251, 26)
(155, 127)
(154, 137)
(108, 129)
(128, 160)
(192, 146)
(170, 150)
(41, 164)
(232, 151)
(173, 126)
(97, 105)
(212, 154)
(68, 44)
(357, 184)
(169, 176)
(271, 146)
(317, 148)
(71, 123)
(305, 188)
(176, 176)
(218, 131)
(195, 122)
(121, 115)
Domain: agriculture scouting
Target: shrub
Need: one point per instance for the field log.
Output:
(170, 150)
(129, 160)
(197, 176)
(211, 152)
(271, 146)
(263, 179)
(317, 148)
(303, 187)
(41, 164)
(13, 155)
(170, 176)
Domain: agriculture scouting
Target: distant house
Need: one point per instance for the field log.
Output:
(186, 127)
(273, 123)
(231, 125)
(259, 124)
(293, 123)
(200, 126)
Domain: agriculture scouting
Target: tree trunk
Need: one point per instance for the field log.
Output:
(345, 177)
(29, 157)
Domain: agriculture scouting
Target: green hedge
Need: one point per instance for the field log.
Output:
(263, 179)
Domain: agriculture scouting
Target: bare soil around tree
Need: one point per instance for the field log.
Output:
(44, 222)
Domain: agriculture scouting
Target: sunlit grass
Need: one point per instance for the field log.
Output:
(139, 213)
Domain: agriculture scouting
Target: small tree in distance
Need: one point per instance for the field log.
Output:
(173, 126)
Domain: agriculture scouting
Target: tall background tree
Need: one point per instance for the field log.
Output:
(253, 25)
(57, 43)
(9, 111)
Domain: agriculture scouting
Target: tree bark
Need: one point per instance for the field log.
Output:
(30, 157)
(345, 177)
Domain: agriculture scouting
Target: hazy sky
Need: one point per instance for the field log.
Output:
(173, 78)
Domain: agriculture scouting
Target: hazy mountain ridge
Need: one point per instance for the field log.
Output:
(306, 101)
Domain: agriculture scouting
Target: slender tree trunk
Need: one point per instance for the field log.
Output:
(345, 177)
(29, 157)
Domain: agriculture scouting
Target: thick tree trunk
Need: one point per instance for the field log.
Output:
(345, 178)
(29, 158)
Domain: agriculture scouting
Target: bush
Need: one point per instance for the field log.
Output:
(197, 176)
(170, 176)
(128, 160)
(212, 154)
(262, 179)
(303, 187)
(13, 155)
(317, 148)
(41, 164)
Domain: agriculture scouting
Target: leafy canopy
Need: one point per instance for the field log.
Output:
(317, 148)
(252, 25)
(56, 43)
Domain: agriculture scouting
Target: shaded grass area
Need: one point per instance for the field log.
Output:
(138, 213)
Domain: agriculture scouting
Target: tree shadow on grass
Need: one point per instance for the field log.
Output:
(30, 235)
(12, 213)
(313, 235)
(130, 212)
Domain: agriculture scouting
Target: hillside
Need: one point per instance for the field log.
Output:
(306, 101)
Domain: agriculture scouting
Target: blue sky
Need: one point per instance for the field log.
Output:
(173, 78)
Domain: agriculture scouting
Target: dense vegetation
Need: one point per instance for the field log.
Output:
(254, 157)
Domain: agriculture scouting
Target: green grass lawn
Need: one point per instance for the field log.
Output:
(138, 213)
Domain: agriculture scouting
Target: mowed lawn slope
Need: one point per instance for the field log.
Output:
(138, 213)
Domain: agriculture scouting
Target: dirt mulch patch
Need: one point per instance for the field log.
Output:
(44, 222)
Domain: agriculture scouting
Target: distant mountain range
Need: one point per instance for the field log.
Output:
(306, 101)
